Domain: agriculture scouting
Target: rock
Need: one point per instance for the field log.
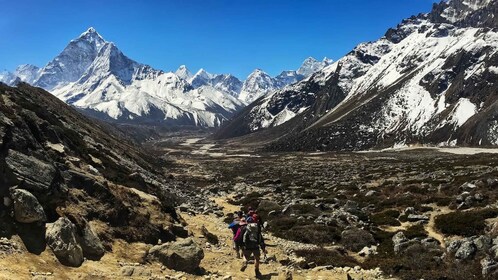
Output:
(483, 242)
(370, 193)
(398, 240)
(211, 238)
(466, 250)
(184, 255)
(32, 174)
(453, 246)
(27, 209)
(91, 244)
(493, 251)
(127, 270)
(416, 218)
(489, 266)
(61, 238)
(468, 186)
(135, 271)
(368, 251)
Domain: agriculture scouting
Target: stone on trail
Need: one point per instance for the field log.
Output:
(184, 255)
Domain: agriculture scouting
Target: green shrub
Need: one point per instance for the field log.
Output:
(388, 217)
(464, 223)
(415, 231)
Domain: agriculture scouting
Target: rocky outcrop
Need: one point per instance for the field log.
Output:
(91, 244)
(61, 238)
(27, 209)
(30, 172)
(184, 255)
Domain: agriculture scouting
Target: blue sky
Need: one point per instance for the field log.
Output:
(222, 36)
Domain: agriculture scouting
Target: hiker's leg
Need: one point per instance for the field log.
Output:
(257, 256)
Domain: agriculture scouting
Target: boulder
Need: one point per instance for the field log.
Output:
(416, 218)
(489, 267)
(91, 244)
(32, 174)
(466, 250)
(453, 246)
(493, 251)
(398, 240)
(27, 209)
(184, 255)
(61, 238)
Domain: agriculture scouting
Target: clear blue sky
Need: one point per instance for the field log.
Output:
(222, 36)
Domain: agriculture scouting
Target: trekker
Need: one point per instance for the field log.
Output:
(238, 236)
(253, 241)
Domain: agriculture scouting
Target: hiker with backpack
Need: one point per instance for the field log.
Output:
(253, 241)
(235, 226)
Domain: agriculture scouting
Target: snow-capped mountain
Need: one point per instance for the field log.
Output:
(8, 78)
(184, 73)
(257, 84)
(95, 76)
(72, 62)
(114, 87)
(27, 73)
(311, 65)
(432, 79)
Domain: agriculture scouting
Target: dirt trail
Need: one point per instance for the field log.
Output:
(431, 226)
(221, 259)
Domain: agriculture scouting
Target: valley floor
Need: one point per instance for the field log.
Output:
(309, 184)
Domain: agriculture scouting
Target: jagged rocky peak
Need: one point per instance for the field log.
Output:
(72, 62)
(466, 13)
(183, 72)
(257, 84)
(27, 73)
(201, 78)
(311, 65)
(92, 36)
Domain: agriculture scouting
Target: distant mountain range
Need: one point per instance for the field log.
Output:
(431, 80)
(93, 75)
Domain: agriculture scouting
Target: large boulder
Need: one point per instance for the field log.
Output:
(61, 238)
(91, 244)
(184, 255)
(32, 174)
(27, 209)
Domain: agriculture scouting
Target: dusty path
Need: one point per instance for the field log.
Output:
(222, 261)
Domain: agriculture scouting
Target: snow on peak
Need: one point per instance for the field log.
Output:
(311, 65)
(257, 84)
(183, 72)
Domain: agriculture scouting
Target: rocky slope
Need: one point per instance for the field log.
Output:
(75, 185)
(429, 80)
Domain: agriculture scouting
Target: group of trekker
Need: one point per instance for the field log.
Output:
(247, 238)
